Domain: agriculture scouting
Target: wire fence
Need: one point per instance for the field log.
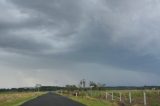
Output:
(132, 98)
(124, 97)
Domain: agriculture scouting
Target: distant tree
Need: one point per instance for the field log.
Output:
(98, 86)
(92, 84)
(101, 86)
(83, 83)
(71, 87)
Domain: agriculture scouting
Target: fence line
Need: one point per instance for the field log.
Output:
(130, 97)
(126, 97)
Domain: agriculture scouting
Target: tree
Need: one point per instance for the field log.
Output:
(92, 84)
(83, 83)
(71, 87)
(101, 86)
(95, 85)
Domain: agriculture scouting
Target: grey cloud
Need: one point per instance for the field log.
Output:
(111, 29)
(54, 33)
(56, 13)
(120, 29)
(58, 24)
(12, 42)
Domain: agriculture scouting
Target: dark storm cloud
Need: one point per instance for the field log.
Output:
(17, 43)
(64, 15)
(94, 32)
(49, 34)
(48, 22)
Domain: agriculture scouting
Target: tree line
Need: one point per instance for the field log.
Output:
(83, 85)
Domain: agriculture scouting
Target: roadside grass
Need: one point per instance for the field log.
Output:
(152, 97)
(89, 101)
(17, 98)
(92, 102)
(98, 98)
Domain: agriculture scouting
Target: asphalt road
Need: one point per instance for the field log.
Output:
(51, 99)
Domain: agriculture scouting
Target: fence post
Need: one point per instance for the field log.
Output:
(106, 95)
(76, 94)
(120, 99)
(130, 98)
(112, 95)
(145, 102)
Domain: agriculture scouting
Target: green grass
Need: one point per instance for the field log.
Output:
(92, 102)
(99, 97)
(16, 99)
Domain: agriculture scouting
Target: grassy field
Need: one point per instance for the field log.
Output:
(98, 98)
(93, 102)
(17, 98)
(89, 101)
(137, 97)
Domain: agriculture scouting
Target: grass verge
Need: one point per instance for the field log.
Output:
(92, 102)
(88, 101)
(16, 99)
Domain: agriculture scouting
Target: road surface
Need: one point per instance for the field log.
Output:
(51, 99)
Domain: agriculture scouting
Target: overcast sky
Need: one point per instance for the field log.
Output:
(59, 42)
